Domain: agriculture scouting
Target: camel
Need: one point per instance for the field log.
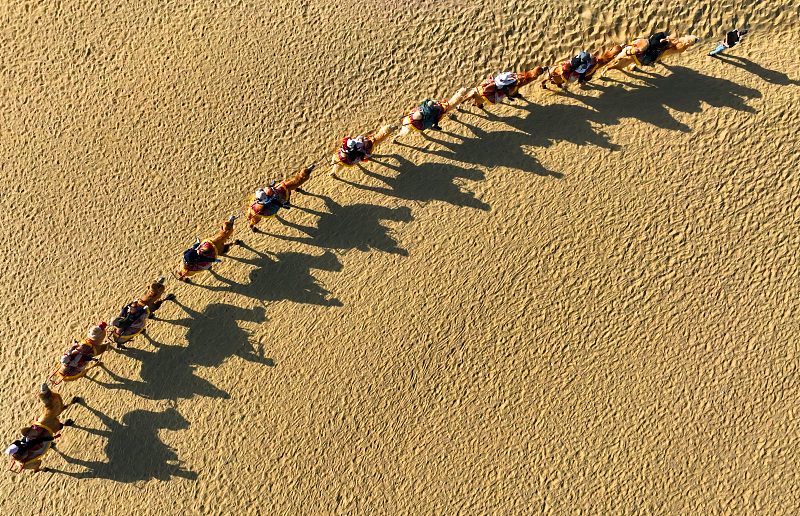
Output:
(75, 361)
(133, 318)
(202, 255)
(507, 84)
(267, 201)
(429, 114)
(27, 453)
(637, 53)
(578, 68)
(358, 149)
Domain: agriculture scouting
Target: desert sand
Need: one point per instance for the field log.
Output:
(584, 302)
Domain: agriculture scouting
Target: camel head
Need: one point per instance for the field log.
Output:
(156, 288)
(686, 42)
(228, 224)
(46, 396)
(534, 73)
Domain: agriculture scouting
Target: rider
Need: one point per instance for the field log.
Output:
(85, 351)
(427, 116)
(354, 150)
(656, 44)
(20, 446)
(203, 253)
(731, 39)
(581, 64)
(506, 84)
(267, 201)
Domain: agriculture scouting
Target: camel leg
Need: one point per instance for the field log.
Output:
(334, 168)
(252, 220)
(475, 96)
(404, 131)
(613, 65)
(555, 80)
(547, 78)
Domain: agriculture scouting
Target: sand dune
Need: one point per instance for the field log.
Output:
(582, 302)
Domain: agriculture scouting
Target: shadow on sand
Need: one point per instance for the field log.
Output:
(134, 450)
(684, 90)
(357, 226)
(282, 276)
(424, 182)
(770, 76)
(213, 335)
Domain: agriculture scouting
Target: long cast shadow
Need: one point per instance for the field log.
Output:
(770, 76)
(287, 276)
(684, 90)
(134, 450)
(356, 226)
(169, 371)
(425, 182)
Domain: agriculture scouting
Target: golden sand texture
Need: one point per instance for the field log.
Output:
(582, 302)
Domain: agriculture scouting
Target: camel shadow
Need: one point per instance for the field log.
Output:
(543, 126)
(169, 371)
(767, 75)
(218, 321)
(334, 227)
(684, 90)
(424, 182)
(287, 276)
(134, 450)
(164, 374)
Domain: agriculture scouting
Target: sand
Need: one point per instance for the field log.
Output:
(582, 302)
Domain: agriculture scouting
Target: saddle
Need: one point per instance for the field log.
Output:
(128, 316)
(34, 444)
(78, 361)
(431, 112)
(352, 151)
(199, 254)
(270, 205)
(655, 48)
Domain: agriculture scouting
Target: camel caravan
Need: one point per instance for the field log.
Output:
(27, 452)
(37, 439)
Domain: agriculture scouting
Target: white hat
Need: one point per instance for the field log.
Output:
(585, 59)
(261, 194)
(504, 79)
(11, 450)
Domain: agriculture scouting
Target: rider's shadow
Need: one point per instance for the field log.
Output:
(543, 126)
(684, 90)
(165, 375)
(335, 227)
(283, 276)
(425, 182)
(770, 76)
(134, 450)
(213, 335)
